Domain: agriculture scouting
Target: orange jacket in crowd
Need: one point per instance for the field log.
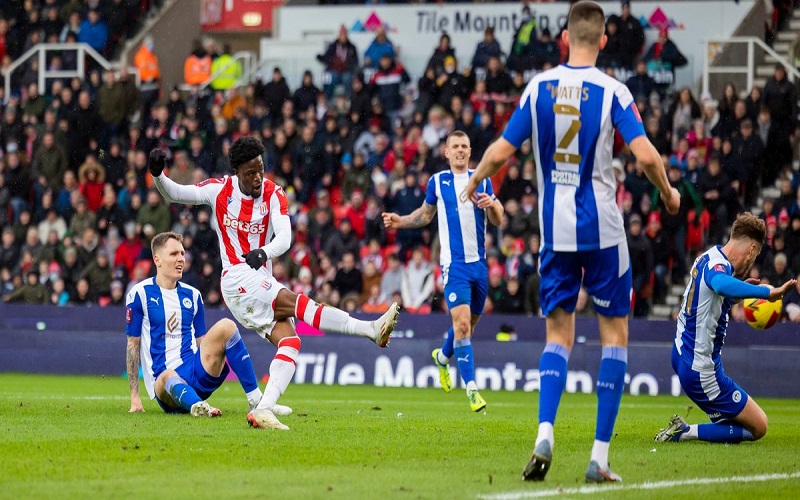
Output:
(197, 70)
(147, 64)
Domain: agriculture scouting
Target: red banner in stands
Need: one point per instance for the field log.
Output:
(237, 15)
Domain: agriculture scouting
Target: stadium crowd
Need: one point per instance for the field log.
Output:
(78, 208)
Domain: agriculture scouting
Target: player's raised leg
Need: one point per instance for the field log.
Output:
(281, 371)
(175, 395)
(441, 359)
(331, 319)
(552, 379)
(223, 341)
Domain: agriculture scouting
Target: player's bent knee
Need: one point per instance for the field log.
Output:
(227, 326)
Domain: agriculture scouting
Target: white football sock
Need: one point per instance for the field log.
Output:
(545, 434)
(600, 453)
(442, 358)
(471, 386)
(689, 435)
(330, 319)
(281, 371)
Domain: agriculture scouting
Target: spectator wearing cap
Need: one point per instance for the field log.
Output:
(98, 274)
(546, 54)
(486, 48)
(94, 31)
(117, 293)
(381, 46)
(32, 292)
(52, 222)
(664, 54)
(387, 85)
(750, 151)
(357, 213)
(693, 167)
(780, 97)
(451, 84)
(82, 218)
(341, 62)
(305, 96)
(360, 98)
(642, 263)
(631, 34)
(129, 249)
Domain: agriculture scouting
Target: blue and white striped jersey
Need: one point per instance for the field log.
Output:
(703, 318)
(168, 321)
(570, 114)
(462, 225)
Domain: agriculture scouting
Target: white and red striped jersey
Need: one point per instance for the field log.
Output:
(242, 223)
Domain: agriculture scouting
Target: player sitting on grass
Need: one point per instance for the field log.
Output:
(702, 322)
(183, 364)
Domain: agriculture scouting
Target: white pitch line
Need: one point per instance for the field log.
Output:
(588, 490)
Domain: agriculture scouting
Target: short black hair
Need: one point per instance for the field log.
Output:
(244, 150)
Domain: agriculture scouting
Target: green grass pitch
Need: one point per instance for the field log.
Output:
(70, 437)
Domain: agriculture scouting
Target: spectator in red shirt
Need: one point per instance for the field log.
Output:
(92, 177)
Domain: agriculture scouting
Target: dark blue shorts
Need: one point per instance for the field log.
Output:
(196, 377)
(715, 393)
(466, 284)
(605, 273)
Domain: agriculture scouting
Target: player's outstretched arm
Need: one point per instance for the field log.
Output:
(648, 156)
(171, 190)
(420, 217)
(496, 155)
(132, 365)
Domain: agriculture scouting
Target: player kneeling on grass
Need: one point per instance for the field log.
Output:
(183, 364)
(251, 218)
(702, 322)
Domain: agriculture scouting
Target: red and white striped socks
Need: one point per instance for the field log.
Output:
(281, 371)
(330, 319)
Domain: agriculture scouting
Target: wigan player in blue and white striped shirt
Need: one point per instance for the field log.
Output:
(569, 113)
(182, 363)
(462, 234)
(702, 323)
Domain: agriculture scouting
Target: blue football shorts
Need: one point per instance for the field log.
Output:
(466, 284)
(605, 273)
(728, 398)
(196, 377)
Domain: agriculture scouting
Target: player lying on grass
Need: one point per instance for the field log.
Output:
(182, 363)
(702, 323)
(462, 230)
(251, 218)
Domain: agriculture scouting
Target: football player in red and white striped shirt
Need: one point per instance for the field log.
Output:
(250, 216)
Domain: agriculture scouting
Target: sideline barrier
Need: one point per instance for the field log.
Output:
(77, 340)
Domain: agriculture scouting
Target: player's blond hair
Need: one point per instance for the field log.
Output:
(456, 133)
(586, 23)
(161, 239)
(748, 226)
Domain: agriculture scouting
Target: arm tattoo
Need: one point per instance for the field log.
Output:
(132, 363)
(420, 217)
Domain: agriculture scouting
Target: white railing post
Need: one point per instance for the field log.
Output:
(42, 70)
(81, 63)
(706, 64)
(751, 64)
